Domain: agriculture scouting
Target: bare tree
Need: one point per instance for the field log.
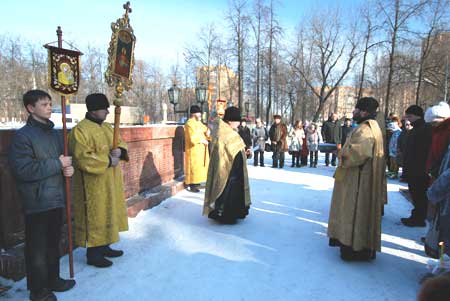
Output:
(397, 15)
(239, 23)
(370, 30)
(334, 51)
(260, 12)
(434, 16)
(274, 31)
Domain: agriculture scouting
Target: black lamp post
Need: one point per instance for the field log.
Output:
(200, 95)
(247, 107)
(174, 97)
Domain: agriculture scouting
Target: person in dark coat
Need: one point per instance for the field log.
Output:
(278, 133)
(244, 132)
(260, 136)
(418, 144)
(38, 166)
(332, 133)
(346, 129)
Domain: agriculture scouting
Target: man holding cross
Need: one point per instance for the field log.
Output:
(99, 203)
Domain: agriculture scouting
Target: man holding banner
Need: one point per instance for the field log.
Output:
(99, 202)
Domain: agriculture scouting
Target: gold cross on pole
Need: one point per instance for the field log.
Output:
(127, 8)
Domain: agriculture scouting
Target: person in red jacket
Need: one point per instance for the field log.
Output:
(439, 118)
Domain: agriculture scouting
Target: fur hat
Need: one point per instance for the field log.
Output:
(195, 109)
(97, 101)
(438, 112)
(415, 110)
(232, 114)
(277, 116)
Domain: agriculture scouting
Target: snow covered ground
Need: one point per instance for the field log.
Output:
(279, 252)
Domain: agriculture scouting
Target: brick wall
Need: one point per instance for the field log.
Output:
(156, 158)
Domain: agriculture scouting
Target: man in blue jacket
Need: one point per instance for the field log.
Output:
(38, 165)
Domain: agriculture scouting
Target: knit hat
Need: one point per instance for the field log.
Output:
(195, 109)
(438, 112)
(232, 114)
(415, 110)
(96, 101)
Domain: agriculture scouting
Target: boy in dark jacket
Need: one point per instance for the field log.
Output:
(38, 165)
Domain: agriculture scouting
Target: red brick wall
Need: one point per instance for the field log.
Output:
(156, 157)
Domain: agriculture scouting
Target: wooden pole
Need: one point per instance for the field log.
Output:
(117, 111)
(67, 179)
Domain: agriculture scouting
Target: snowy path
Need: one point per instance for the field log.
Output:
(279, 252)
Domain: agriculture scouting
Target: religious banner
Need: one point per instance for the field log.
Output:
(121, 52)
(120, 63)
(64, 70)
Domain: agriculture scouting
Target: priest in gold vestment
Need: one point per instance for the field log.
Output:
(360, 188)
(99, 200)
(196, 156)
(227, 195)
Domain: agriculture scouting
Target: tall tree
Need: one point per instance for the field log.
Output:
(334, 50)
(397, 15)
(434, 17)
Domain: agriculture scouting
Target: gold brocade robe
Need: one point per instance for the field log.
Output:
(359, 190)
(99, 201)
(226, 145)
(196, 156)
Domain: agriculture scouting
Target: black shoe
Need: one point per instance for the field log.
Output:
(413, 222)
(62, 285)
(293, 165)
(44, 295)
(262, 165)
(326, 164)
(194, 188)
(310, 165)
(333, 163)
(297, 165)
(315, 165)
(99, 262)
(108, 252)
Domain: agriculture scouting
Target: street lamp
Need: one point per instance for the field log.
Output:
(174, 97)
(200, 95)
(247, 107)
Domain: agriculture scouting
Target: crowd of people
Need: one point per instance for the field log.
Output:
(217, 155)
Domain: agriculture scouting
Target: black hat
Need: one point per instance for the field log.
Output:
(96, 101)
(368, 104)
(415, 110)
(232, 114)
(195, 109)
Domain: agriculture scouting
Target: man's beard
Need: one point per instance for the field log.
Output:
(357, 117)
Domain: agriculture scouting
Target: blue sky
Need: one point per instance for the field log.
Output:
(162, 28)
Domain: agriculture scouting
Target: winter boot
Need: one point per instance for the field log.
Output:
(108, 252)
(95, 257)
(62, 285)
(43, 295)
(193, 188)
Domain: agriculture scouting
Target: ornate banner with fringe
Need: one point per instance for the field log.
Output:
(64, 70)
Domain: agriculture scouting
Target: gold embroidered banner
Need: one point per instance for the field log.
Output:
(64, 70)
